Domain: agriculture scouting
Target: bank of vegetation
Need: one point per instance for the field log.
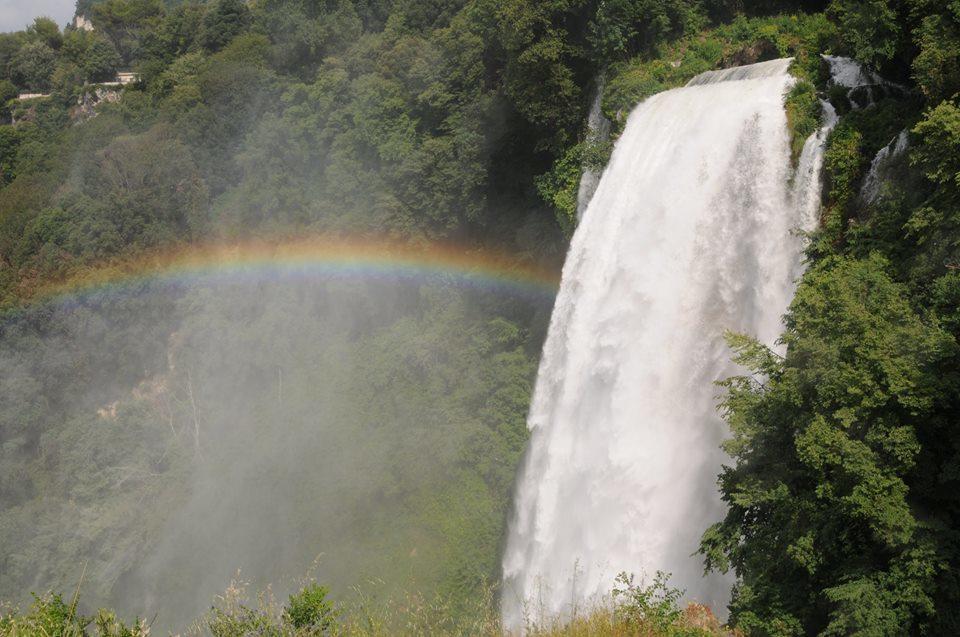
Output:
(632, 610)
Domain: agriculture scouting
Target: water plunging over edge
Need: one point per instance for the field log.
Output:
(692, 230)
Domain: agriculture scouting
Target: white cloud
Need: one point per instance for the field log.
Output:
(17, 14)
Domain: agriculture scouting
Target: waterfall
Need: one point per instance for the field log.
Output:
(864, 87)
(881, 166)
(691, 232)
(598, 130)
(807, 195)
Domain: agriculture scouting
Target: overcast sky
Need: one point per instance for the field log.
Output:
(16, 14)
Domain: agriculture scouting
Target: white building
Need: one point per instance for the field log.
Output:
(123, 78)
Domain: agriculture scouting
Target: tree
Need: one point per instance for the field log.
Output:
(871, 29)
(66, 79)
(179, 33)
(939, 154)
(826, 443)
(45, 30)
(8, 91)
(223, 22)
(544, 68)
(33, 65)
(9, 141)
(100, 61)
(150, 186)
(305, 32)
(126, 22)
(625, 27)
(937, 64)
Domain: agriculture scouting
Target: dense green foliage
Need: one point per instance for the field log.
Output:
(846, 450)
(283, 118)
(560, 186)
(308, 613)
(743, 41)
(353, 118)
(276, 118)
(803, 115)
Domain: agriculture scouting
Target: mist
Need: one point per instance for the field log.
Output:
(160, 437)
(282, 428)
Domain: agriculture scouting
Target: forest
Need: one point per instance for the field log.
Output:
(140, 427)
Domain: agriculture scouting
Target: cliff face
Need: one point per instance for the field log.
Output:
(88, 101)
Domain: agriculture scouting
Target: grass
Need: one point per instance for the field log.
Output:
(632, 610)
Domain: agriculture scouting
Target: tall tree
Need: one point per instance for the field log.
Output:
(825, 443)
(224, 21)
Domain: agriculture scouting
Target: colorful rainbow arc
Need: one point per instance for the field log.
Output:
(308, 258)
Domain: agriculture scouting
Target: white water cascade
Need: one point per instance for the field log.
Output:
(881, 166)
(598, 130)
(690, 233)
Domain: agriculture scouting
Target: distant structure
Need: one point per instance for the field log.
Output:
(26, 109)
(82, 23)
(123, 78)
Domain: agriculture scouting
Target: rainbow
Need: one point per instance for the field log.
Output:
(305, 258)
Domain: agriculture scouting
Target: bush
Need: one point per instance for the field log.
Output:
(938, 154)
(803, 115)
(311, 609)
(560, 186)
(50, 615)
(870, 28)
(844, 162)
(653, 607)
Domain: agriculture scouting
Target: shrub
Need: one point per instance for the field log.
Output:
(803, 115)
(311, 609)
(50, 615)
(655, 606)
(560, 186)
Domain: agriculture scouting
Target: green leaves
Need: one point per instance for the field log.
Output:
(50, 615)
(651, 607)
(937, 64)
(824, 443)
(310, 609)
(871, 29)
(560, 186)
(803, 115)
(224, 21)
(126, 22)
(623, 27)
(754, 355)
(32, 67)
(544, 65)
(938, 156)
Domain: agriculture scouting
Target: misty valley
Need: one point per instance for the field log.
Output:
(371, 426)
